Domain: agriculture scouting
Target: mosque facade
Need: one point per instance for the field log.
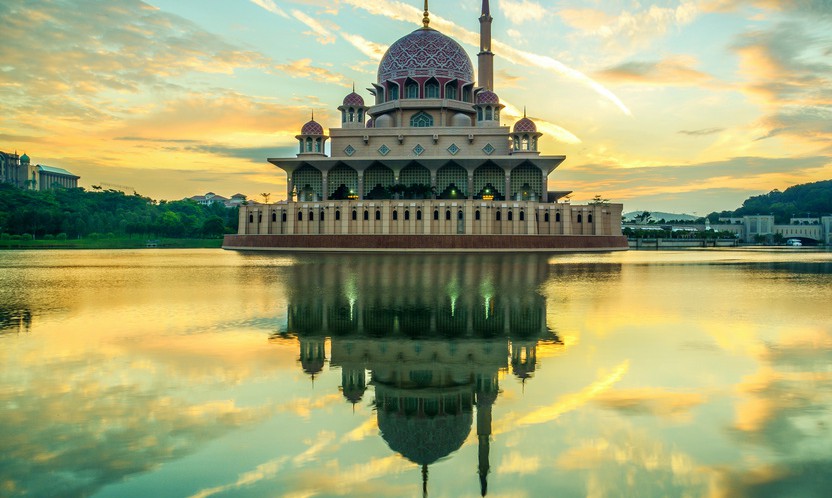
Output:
(427, 165)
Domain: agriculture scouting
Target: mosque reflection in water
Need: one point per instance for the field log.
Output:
(434, 332)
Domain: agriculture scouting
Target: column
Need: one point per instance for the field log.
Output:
(361, 185)
(289, 187)
(470, 185)
(433, 183)
(325, 185)
(544, 196)
(508, 186)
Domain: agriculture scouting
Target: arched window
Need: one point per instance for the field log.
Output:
(524, 144)
(251, 218)
(395, 215)
(499, 215)
(283, 218)
(477, 215)
(489, 113)
(411, 90)
(308, 144)
(406, 214)
(448, 215)
(557, 217)
(421, 120)
(322, 216)
(436, 214)
(580, 219)
(589, 218)
(300, 215)
(311, 215)
(352, 115)
(394, 91)
(259, 217)
(354, 215)
(546, 218)
(366, 215)
(510, 215)
(378, 215)
(337, 215)
(479, 113)
(432, 90)
(459, 215)
(274, 216)
(419, 215)
(522, 216)
(450, 91)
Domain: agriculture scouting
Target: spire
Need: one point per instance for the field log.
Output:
(313, 113)
(425, 467)
(485, 59)
(486, 9)
(426, 19)
(353, 87)
(524, 111)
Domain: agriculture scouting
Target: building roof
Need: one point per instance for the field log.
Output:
(425, 52)
(312, 128)
(55, 171)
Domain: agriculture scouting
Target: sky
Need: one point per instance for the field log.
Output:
(680, 106)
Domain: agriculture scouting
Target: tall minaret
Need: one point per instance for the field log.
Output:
(485, 59)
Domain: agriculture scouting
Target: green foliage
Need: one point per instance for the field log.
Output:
(813, 199)
(76, 213)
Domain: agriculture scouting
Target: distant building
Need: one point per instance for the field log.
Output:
(746, 228)
(212, 198)
(49, 177)
(19, 171)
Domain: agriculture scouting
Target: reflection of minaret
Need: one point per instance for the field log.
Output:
(487, 390)
(523, 359)
(312, 355)
(485, 59)
(353, 383)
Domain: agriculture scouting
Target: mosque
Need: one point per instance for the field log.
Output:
(427, 166)
(425, 341)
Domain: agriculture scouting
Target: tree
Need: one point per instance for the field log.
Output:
(644, 217)
(213, 227)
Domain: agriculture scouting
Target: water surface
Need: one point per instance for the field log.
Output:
(211, 373)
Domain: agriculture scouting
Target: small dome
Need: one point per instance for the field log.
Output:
(460, 119)
(487, 97)
(312, 128)
(425, 52)
(384, 121)
(525, 125)
(354, 100)
(24, 158)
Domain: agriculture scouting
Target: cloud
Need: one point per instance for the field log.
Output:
(322, 34)
(630, 29)
(372, 50)
(673, 71)
(303, 68)
(520, 11)
(701, 132)
(271, 7)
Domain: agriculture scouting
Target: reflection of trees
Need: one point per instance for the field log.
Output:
(15, 320)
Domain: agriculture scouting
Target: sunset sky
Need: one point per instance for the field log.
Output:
(681, 106)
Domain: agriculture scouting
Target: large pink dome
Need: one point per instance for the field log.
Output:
(425, 52)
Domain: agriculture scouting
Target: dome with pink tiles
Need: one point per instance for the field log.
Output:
(312, 128)
(525, 125)
(488, 97)
(353, 100)
(425, 53)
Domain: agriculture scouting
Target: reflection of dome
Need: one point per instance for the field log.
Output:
(425, 52)
(424, 440)
(312, 128)
(354, 100)
(487, 97)
(525, 125)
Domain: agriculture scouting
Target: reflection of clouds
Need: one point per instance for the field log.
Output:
(516, 463)
(623, 461)
(84, 433)
(652, 401)
(564, 404)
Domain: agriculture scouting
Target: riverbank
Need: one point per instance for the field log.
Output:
(117, 243)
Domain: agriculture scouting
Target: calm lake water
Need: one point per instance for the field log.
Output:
(209, 373)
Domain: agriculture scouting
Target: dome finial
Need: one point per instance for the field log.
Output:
(353, 86)
(313, 113)
(524, 111)
(426, 19)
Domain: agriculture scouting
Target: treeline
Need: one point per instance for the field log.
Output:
(806, 200)
(76, 213)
